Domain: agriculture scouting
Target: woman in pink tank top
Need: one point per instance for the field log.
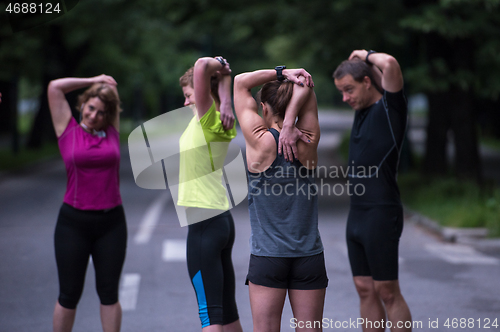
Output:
(91, 221)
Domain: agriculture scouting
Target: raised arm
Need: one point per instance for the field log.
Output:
(377, 76)
(252, 125)
(304, 107)
(392, 77)
(226, 107)
(290, 134)
(204, 69)
(59, 107)
(245, 106)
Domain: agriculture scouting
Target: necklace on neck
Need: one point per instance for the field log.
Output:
(100, 133)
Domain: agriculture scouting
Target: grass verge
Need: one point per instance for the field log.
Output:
(10, 161)
(451, 202)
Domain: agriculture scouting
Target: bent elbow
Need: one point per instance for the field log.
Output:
(52, 86)
(239, 81)
(200, 66)
(392, 63)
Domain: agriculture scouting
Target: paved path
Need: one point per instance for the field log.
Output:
(439, 280)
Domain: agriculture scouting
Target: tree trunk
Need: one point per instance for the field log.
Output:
(435, 159)
(489, 117)
(8, 111)
(60, 62)
(5, 109)
(463, 124)
(138, 112)
(54, 59)
(42, 124)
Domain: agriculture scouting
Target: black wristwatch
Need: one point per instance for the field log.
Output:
(367, 55)
(279, 73)
(221, 60)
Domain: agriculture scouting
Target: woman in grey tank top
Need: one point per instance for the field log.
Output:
(286, 249)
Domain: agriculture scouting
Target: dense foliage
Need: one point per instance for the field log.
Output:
(449, 49)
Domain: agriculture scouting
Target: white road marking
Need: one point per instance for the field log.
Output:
(174, 250)
(150, 219)
(129, 291)
(460, 254)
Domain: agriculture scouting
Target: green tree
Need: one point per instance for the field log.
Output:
(130, 40)
(457, 46)
(448, 49)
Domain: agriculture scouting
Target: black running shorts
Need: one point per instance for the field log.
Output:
(303, 273)
(372, 235)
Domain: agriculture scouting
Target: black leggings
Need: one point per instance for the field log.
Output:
(79, 234)
(209, 246)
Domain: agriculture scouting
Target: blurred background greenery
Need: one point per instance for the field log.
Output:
(449, 51)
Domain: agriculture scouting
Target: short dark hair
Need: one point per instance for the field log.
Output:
(357, 68)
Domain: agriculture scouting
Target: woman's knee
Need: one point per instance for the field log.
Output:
(107, 296)
(69, 300)
(107, 291)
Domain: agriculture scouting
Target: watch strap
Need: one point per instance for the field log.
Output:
(279, 73)
(367, 55)
(221, 60)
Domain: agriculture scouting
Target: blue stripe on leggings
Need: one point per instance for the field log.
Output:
(202, 299)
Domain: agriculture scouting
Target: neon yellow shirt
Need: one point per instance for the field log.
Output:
(203, 148)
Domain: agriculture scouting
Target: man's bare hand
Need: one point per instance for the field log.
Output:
(360, 54)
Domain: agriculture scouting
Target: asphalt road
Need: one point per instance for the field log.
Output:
(440, 281)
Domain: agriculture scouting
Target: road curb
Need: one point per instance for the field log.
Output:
(475, 237)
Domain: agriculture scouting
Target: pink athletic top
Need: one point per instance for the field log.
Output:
(92, 167)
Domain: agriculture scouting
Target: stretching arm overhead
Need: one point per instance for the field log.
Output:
(226, 105)
(304, 108)
(245, 106)
(261, 148)
(59, 107)
(307, 124)
(252, 125)
(392, 77)
(204, 69)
